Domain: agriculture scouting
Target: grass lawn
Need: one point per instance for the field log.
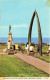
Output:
(45, 58)
(1, 46)
(11, 66)
(44, 49)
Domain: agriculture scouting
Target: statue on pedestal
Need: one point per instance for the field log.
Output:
(10, 40)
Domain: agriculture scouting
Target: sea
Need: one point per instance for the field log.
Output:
(24, 40)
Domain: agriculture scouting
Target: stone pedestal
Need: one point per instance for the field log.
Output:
(10, 38)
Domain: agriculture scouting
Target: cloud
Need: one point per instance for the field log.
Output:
(20, 25)
(15, 26)
(48, 3)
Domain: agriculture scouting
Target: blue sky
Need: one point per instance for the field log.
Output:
(18, 14)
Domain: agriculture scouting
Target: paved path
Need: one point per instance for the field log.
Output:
(1, 53)
(40, 64)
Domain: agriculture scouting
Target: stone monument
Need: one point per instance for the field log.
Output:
(10, 40)
(10, 35)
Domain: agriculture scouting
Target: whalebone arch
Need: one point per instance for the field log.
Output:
(39, 32)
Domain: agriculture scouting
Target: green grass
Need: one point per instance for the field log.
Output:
(1, 46)
(45, 58)
(23, 47)
(35, 48)
(11, 66)
(44, 49)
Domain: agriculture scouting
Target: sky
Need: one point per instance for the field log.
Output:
(18, 14)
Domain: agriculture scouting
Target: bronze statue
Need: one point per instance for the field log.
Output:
(9, 28)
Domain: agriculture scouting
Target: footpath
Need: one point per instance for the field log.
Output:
(39, 64)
